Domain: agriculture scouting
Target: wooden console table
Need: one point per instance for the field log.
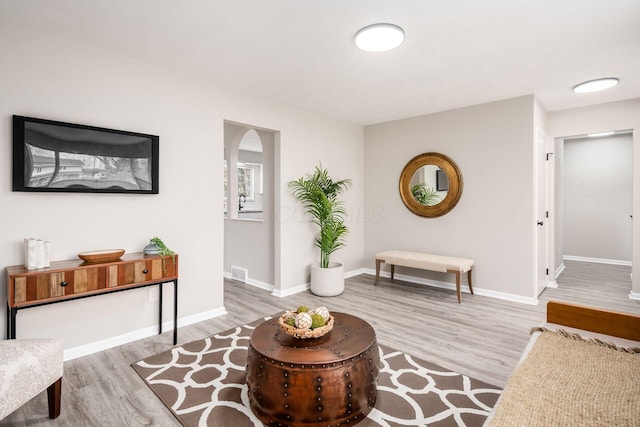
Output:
(75, 279)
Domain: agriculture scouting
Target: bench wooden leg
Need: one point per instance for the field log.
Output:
(458, 286)
(469, 280)
(378, 262)
(54, 392)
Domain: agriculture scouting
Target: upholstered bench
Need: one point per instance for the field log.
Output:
(28, 367)
(444, 264)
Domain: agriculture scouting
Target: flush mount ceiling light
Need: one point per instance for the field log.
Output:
(596, 85)
(379, 37)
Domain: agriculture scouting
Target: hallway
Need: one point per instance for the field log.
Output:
(588, 283)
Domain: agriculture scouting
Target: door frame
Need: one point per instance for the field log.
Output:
(543, 212)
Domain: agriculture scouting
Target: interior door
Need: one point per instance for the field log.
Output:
(542, 162)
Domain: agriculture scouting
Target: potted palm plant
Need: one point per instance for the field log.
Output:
(318, 193)
(427, 196)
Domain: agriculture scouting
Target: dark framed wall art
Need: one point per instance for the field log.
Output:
(50, 156)
(442, 181)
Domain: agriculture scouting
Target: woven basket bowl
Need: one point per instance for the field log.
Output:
(308, 332)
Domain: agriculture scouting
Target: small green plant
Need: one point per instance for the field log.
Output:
(163, 251)
(426, 196)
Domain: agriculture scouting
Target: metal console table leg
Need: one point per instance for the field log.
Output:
(11, 322)
(160, 309)
(175, 311)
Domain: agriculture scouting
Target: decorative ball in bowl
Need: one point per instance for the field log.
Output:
(305, 323)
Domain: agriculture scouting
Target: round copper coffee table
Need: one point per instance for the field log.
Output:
(318, 382)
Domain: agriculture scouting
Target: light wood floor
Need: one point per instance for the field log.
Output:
(482, 337)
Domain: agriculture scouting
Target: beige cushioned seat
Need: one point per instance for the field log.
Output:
(439, 263)
(426, 261)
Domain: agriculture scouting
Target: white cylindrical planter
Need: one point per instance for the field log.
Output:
(327, 282)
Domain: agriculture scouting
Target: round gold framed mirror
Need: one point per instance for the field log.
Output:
(430, 185)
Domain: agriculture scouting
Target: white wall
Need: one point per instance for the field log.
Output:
(598, 197)
(339, 148)
(624, 115)
(50, 77)
(493, 223)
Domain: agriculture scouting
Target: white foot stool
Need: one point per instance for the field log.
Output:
(27, 368)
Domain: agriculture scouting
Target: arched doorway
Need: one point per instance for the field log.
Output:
(250, 248)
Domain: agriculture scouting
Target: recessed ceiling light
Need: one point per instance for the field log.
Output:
(597, 134)
(596, 85)
(379, 37)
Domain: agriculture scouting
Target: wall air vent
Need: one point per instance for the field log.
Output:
(239, 274)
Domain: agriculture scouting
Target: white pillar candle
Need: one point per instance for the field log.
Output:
(47, 254)
(40, 253)
(31, 254)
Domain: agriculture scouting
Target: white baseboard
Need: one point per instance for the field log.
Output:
(452, 286)
(282, 293)
(259, 284)
(559, 270)
(597, 260)
(195, 318)
(354, 273)
(252, 282)
(290, 291)
(505, 296)
(94, 347)
(634, 295)
(552, 284)
(271, 288)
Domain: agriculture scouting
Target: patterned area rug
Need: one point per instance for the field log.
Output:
(203, 384)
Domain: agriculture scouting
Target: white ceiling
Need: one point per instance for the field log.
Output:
(456, 53)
